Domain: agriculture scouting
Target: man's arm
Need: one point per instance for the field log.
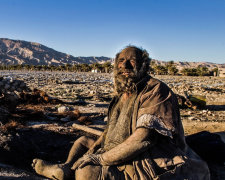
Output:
(97, 144)
(137, 143)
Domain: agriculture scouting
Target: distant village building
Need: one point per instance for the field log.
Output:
(221, 72)
(95, 70)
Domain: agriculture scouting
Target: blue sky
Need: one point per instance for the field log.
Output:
(179, 30)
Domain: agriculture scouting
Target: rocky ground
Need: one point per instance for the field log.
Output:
(44, 128)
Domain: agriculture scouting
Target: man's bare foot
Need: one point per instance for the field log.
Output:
(52, 171)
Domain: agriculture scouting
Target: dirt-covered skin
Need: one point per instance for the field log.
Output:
(63, 171)
(52, 171)
(130, 148)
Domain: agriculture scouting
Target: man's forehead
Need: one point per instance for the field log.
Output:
(130, 52)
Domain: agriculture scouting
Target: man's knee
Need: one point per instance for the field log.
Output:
(88, 172)
(85, 141)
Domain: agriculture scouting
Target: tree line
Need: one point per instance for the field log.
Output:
(107, 67)
(170, 69)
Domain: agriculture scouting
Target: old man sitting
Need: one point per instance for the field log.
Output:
(144, 137)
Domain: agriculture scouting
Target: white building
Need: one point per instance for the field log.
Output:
(95, 71)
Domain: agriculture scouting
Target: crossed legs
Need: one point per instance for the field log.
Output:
(63, 171)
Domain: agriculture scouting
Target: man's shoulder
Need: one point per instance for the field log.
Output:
(157, 90)
(156, 83)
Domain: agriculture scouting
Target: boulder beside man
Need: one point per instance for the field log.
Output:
(144, 137)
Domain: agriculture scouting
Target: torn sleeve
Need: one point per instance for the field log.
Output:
(153, 122)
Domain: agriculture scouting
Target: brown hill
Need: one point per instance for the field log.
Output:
(14, 52)
(180, 65)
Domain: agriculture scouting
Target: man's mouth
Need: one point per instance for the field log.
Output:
(126, 73)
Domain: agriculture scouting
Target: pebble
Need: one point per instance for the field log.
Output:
(189, 112)
(63, 109)
(106, 119)
(192, 118)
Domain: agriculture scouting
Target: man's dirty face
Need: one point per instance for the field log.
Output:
(128, 62)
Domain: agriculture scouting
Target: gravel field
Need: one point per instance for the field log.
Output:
(92, 92)
(97, 88)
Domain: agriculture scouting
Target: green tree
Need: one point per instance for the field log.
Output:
(189, 72)
(214, 72)
(160, 70)
(202, 71)
(96, 66)
(68, 67)
(76, 67)
(107, 67)
(184, 71)
(153, 66)
(26, 66)
(85, 68)
(171, 68)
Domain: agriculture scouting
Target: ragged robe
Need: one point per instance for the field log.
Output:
(153, 106)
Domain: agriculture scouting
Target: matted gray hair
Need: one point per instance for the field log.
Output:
(123, 84)
(145, 58)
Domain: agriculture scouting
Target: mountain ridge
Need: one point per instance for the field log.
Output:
(13, 52)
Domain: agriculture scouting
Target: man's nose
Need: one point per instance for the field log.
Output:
(127, 64)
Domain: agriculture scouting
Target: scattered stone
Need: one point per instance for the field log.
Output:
(84, 120)
(74, 115)
(63, 109)
(192, 118)
(106, 119)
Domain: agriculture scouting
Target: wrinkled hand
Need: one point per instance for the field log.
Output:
(89, 159)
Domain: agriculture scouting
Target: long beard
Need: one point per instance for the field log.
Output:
(125, 84)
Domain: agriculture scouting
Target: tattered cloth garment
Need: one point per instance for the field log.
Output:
(118, 127)
(152, 106)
